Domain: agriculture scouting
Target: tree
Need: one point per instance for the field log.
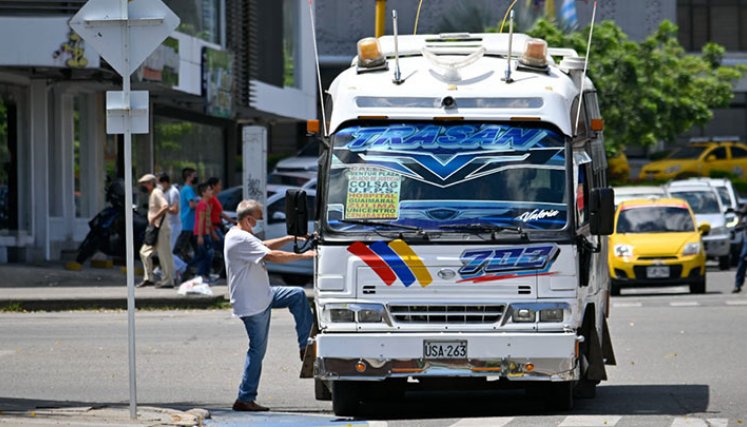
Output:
(649, 91)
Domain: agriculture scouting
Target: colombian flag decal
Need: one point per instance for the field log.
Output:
(393, 260)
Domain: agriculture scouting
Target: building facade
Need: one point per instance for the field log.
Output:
(211, 77)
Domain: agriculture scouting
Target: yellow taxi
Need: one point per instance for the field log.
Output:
(656, 243)
(618, 168)
(701, 157)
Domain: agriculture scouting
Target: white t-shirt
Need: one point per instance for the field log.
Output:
(248, 282)
(172, 197)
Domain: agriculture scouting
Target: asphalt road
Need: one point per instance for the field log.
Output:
(681, 361)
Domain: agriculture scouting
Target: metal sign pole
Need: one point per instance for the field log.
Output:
(105, 26)
(128, 217)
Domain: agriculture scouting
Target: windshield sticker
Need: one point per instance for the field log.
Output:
(393, 260)
(460, 137)
(483, 265)
(373, 193)
(537, 215)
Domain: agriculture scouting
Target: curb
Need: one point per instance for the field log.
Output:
(67, 304)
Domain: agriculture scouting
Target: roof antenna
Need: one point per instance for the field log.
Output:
(397, 75)
(586, 63)
(318, 71)
(508, 78)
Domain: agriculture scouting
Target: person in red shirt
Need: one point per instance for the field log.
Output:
(203, 232)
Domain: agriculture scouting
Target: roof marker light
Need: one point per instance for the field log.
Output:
(535, 53)
(370, 56)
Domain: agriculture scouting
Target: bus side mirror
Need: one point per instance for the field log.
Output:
(296, 213)
(602, 211)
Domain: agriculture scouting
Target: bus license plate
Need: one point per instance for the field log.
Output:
(657, 272)
(444, 349)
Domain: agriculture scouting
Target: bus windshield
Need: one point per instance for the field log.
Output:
(441, 176)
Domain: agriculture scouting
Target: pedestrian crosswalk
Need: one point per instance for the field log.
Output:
(588, 421)
(683, 303)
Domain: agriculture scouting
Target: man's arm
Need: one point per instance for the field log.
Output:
(283, 256)
(160, 213)
(279, 242)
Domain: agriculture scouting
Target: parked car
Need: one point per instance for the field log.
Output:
(638, 192)
(706, 204)
(701, 157)
(293, 273)
(293, 179)
(618, 167)
(730, 204)
(656, 243)
(305, 160)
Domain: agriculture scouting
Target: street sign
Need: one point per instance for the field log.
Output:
(125, 32)
(117, 111)
(100, 23)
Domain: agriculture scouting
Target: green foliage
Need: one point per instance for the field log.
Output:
(649, 91)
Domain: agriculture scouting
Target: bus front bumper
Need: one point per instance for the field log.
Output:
(515, 356)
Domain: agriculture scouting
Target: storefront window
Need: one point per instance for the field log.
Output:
(290, 39)
(180, 144)
(199, 18)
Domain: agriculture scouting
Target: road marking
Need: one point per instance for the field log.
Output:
(737, 302)
(684, 304)
(479, 422)
(627, 304)
(590, 421)
(697, 422)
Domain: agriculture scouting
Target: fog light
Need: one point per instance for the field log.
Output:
(370, 316)
(360, 367)
(551, 315)
(342, 315)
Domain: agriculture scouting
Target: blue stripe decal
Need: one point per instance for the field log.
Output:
(395, 262)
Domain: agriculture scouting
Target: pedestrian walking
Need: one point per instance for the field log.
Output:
(187, 204)
(252, 297)
(158, 208)
(172, 197)
(203, 234)
(742, 265)
(217, 215)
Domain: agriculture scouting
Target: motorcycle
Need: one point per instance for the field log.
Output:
(107, 228)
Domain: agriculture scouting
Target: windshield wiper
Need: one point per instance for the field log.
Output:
(416, 229)
(485, 228)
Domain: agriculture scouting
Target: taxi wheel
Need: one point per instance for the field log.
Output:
(724, 262)
(698, 287)
(346, 398)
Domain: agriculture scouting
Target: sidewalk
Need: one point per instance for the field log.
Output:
(105, 415)
(51, 287)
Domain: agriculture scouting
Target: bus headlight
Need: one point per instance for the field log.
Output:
(553, 315)
(523, 315)
(547, 312)
(350, 313)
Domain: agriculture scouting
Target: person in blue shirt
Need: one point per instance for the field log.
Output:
(187, 203)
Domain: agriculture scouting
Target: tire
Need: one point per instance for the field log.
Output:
(698, 287)
(724, 262)
(559, 396)
(295, 279)
(321, 390)
(345, 398)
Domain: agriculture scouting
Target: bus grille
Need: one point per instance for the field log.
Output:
(447, 314)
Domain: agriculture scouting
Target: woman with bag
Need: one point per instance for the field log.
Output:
(157, 236)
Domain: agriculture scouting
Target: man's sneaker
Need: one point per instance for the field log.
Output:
(249, 406)
(144, 283)
(736, 290)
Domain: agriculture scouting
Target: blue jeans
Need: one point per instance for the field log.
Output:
(203, 258)
(742, 266)
(258, 328)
